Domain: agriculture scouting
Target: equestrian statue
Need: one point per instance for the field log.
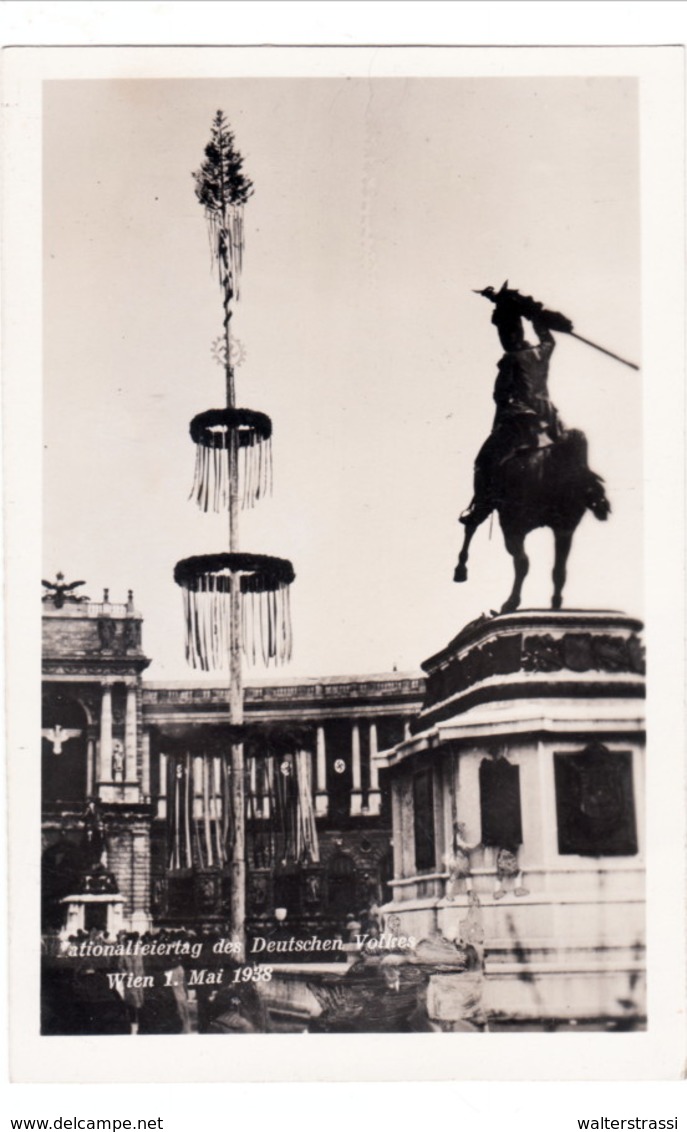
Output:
(531, 470)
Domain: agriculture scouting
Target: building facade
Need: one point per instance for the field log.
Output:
(150, 755)
(496, 801)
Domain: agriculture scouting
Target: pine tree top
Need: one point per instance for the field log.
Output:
(220, 181)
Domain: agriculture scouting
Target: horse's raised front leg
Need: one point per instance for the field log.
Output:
(563, 540)
(515, 545)
(460, 573)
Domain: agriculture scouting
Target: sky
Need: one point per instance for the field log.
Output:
(379, 205)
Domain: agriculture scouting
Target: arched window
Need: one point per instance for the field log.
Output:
(64, 746)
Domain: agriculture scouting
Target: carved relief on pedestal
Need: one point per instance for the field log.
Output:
(542, 654)
(578, 649)
(583, 652)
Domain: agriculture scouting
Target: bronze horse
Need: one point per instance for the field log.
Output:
(541, 487)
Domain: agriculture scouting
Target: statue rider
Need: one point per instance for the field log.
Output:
(525, 416)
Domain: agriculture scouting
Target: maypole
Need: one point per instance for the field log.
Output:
(226, 594)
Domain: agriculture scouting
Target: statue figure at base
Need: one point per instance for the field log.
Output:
(95, 878)
(508, 873)
(458, 863)
(531, 469)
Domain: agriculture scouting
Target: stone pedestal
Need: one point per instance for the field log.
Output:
(128, 792)
(518, 811)
(76, 913)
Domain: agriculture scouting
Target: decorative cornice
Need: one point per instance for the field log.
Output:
(524, 690)
(505, 657)
(94, 668)
(531, 621)
(357, 691)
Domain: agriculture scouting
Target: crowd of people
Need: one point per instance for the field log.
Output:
(143, 984)
(183, 981)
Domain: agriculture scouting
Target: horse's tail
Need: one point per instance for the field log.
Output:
(595, 493)
(597, 501)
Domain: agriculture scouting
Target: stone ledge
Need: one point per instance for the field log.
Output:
(534, 653)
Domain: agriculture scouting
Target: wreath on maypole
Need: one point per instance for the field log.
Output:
(233, 463)
(236, 605)
(210, 432)
(264, 582)
(223, 189)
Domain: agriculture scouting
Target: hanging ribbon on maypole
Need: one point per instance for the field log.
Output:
(278, 793)
(236, 605)
(210, 432)
(264, 581)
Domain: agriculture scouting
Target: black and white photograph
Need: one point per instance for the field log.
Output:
(342, 473)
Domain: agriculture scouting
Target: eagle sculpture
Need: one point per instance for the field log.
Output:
(58, 736)
(59, 591)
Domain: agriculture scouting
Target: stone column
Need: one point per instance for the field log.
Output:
(406, 826)
(217, 789)
(196, 784)
(105, 762)
(91, 769)
(356, 793)
(374, 798)
(74, 918)
(140, 879)
(547, 807)
(130, 770)
(321, 796)
(162, 798)
(397, 839)
(115, 921)
(253, 781)
(145, 768)
(265, 774)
